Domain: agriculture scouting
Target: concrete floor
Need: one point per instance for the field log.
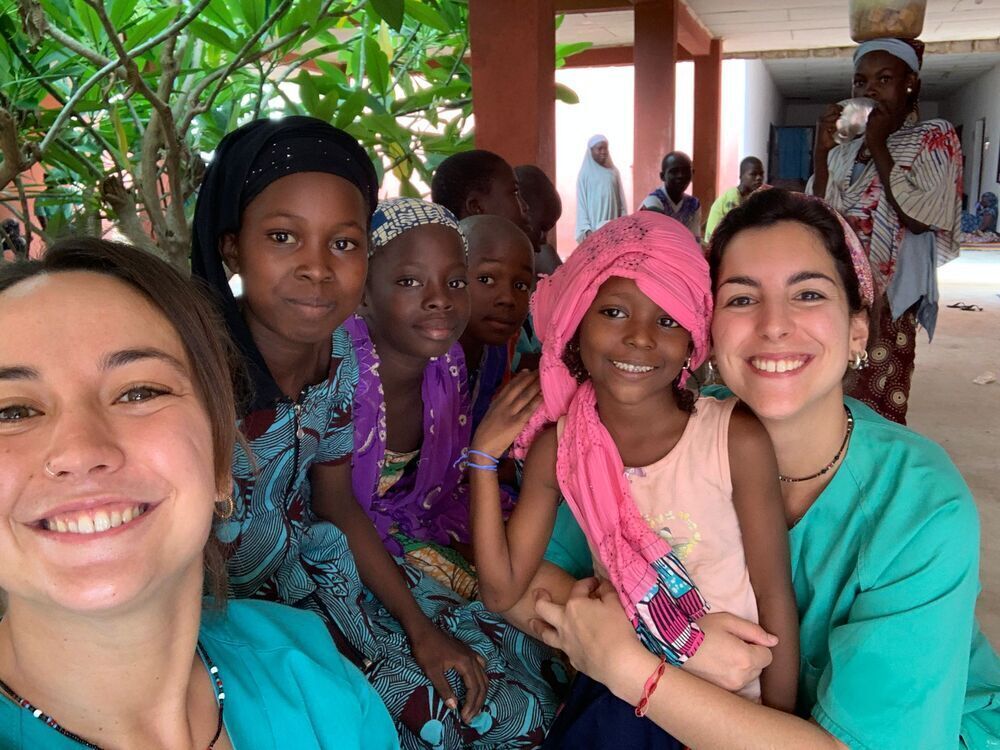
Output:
(948, 407)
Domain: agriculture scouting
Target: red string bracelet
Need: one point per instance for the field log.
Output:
(650, 687)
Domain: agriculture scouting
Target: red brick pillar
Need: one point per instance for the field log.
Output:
(707, 124)
(655, 57)
(513, 79)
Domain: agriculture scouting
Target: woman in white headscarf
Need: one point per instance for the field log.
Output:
(599, 194)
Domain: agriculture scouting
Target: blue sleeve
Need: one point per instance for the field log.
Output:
(899, 663)
(568, 546)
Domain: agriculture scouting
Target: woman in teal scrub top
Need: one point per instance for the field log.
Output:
(117, 427)
(883, 532)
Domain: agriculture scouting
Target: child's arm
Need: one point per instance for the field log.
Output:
(435, 651)
(508, 557)
(757, 499)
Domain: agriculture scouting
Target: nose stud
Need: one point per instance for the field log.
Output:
(49, 472)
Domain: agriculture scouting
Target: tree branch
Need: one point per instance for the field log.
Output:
(68, 109)
(74, 46)
(15, 158)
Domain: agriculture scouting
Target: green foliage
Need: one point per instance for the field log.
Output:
(119, 100)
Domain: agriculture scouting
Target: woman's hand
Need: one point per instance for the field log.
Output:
(437, 652)
(734, 653)
(880, 125)
(510, 411)
(591, 628)
(826, 128)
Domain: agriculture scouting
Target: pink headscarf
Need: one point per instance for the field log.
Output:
(667, 265)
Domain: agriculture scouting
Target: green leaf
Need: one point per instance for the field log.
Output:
(332, 72)
(89, 21)
(408, 190)
(391, 11)
(307, 91)
(565, 94)
(213, 35)
(253, 13)
(568, 50)
(376, 65)
(116, 120)
(150, 28)
(351, 107)
(424, 14)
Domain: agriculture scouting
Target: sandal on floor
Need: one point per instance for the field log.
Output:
(965, 307)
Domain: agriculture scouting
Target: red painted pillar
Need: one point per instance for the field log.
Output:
(655, 57)
(514, 78)
(707, 124)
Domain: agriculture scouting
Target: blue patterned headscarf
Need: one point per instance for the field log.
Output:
(397, 216)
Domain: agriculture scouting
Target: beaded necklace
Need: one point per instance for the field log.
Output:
(213, 671)
(833, 462)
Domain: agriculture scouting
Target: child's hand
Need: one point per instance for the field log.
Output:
(510, 411)
(437, 652)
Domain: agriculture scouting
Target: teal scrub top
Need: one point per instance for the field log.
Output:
(286, 687)
(885, 567)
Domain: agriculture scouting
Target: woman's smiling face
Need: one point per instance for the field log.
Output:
(782, 330)
(108, 484)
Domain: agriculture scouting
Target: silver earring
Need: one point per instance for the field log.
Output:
(687, 364)
(859, 361)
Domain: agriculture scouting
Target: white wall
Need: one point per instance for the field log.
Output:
(763, 108)
(973, 101)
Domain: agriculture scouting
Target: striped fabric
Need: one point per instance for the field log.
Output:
(926, 181)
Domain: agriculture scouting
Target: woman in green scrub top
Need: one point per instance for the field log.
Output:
(883, 531)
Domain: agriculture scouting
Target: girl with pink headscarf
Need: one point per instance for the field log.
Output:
(677, 496)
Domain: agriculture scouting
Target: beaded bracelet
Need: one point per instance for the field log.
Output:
(650, 687)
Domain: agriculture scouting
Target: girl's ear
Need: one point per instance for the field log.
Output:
(859, 331)
(230, 250)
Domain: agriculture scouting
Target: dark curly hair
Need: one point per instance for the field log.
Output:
(461, 174)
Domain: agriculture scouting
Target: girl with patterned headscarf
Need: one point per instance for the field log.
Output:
(412, 426)
(670, 491)
(900, 187)
(287, 205)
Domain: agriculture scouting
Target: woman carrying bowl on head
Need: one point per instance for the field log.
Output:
(883, 532)
(117, 430)
(900, 187)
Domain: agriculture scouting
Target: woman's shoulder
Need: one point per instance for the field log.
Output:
(900, 474)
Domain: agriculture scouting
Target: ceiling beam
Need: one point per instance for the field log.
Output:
(602, 57)
(692, 36)
(591, 6)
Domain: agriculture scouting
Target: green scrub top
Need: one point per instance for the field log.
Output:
(885, 567)
(286, 687)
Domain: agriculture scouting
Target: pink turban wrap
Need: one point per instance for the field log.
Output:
(667, 265)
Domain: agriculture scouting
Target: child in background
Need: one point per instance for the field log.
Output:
(501, 277)
(671, 199)
(478, 182)
(544, 207)
(751, 179)
(658, 481)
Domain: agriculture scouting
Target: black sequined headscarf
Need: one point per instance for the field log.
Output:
(245, 163)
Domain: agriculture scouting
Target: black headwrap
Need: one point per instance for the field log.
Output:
(245, 162)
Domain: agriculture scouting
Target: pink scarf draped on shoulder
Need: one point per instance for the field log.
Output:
(667, 265)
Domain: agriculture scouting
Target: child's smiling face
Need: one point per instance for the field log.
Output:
(631, 348)
(417, 296)
(302, 253)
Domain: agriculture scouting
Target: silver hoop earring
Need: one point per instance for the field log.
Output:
(687, 364)
(48, 471)
(859, 361)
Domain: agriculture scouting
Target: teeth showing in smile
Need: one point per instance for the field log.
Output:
(776, 365)
(627, 367)
(92, 521)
